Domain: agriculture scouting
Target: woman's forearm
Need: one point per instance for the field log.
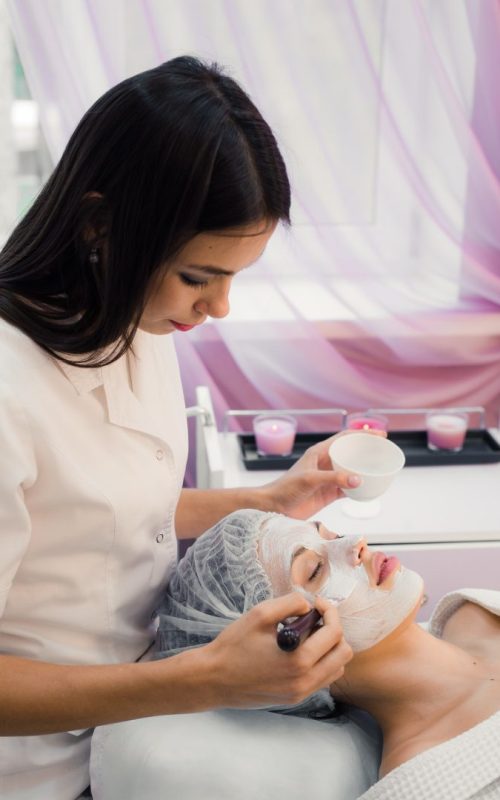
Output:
(199, 509)
(241, 668)
(300, 492)
(41, 698)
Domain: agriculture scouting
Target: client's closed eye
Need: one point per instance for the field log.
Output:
(316, 570)
(309, 569)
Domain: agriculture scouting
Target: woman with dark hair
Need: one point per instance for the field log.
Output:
(171, 184)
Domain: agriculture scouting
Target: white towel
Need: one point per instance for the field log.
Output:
(466, 767)
(486, 598)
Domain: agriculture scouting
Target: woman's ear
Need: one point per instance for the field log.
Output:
(94, 219)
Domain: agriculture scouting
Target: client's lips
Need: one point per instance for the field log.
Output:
(384, 566)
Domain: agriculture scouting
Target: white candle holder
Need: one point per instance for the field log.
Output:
(365, 421)
(446, 430)
(274, 434)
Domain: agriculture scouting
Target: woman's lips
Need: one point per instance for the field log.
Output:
(384, 566)
(178, 326)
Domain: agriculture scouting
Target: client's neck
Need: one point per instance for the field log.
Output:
(414, 671)
(415, 686)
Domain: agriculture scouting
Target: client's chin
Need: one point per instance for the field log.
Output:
(371, 614)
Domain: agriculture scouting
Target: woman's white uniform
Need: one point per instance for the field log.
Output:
(91, 467)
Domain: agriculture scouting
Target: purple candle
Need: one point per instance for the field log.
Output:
(446, 431)
(366, 422)
(274, 434)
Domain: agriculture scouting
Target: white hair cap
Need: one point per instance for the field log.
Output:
(219, 578)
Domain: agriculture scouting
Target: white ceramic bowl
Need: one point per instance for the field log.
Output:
(375, 459)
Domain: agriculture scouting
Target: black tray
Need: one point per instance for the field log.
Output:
(479, 448)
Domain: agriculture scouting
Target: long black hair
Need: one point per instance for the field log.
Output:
(172, 152)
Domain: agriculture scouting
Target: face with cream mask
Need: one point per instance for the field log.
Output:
(374, 593)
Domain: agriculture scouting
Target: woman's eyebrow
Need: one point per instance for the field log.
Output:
(213, 270)
(210, 269)
(298, 553)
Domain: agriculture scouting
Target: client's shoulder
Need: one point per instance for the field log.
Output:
(467, 615)
(476, 629)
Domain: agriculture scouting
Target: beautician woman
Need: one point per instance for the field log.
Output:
(170, 186)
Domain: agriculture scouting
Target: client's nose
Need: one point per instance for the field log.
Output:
(349, 550)
(360, 551)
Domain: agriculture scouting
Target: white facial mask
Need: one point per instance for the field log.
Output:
(367, 614)
(280, 538)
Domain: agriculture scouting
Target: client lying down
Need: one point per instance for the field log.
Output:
(435, 693)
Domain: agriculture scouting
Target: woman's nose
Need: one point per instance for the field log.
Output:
(215, 304)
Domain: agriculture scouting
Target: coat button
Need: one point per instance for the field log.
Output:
(160, 538)
(159, 454)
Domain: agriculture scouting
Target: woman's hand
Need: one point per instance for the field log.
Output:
(312, 483)
(247, 669)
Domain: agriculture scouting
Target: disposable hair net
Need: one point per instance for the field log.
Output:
(220, 578)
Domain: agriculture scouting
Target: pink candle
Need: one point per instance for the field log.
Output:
(274, 434)
(366, 422)
(446, 431)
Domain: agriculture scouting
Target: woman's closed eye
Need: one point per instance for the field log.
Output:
(190, 281)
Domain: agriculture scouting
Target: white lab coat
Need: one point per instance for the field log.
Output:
(91, 467)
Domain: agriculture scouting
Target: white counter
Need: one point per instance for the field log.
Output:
(424, 504)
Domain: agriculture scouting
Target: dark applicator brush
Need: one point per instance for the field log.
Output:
(291, 634)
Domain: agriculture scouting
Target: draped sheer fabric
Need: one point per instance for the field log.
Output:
(385, 292)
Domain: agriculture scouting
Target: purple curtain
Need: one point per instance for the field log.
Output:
(386, 290)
